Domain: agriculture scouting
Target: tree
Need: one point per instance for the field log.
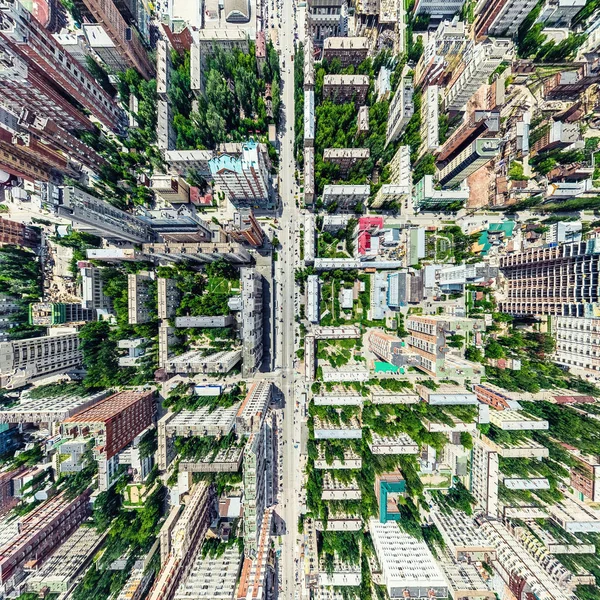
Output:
(494, 350)
(98, 73)
(100, 356)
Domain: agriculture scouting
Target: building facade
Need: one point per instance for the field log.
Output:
(18, 234)
(401, 110)
(24, 361)
(472, 158)
(577, 342)
(563, 280)
(100, 218)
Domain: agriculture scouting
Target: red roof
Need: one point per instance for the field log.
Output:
(573, 399)
(365, 223)
(364, 242)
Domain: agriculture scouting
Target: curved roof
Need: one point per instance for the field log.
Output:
(237, 11)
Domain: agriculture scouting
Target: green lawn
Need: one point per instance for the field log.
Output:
(218, 285)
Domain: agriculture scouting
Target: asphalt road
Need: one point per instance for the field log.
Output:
(286, 309)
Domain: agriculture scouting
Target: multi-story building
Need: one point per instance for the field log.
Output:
(196, 362)
(522, 574)
(481, 123)
(559, 13)
(45, 79)
(348, 50)
(556, 134)
(251, 320)
(472, 158)
(48, 314)
(62, 570)
(92, 287)
(18, 234)
(139, 295)
(195, 252)
(125, 39)
(427, 342)
(39, 533)
(245, 180)
(100, 218)
(24, 361)
(8, 500)
(101, 43)
(246, 229)
(479, 62)
(256, 478)
(179, 225)
(309, 118)
(577, 342)
(386, 346)
(50, 410)
(168, 297)
(50, 134)
(442, 53)
(561, 281)
(438, 8)
(502, 17)
(344, 88)
(180, 538)
(430, 108)
(171, 189)
(312, 298)
(346, 196)
(427, 197)
(114, 422)
(346, 158)
(407, 565)
(327, 18)
(401, 110)
(184, 161)
(309, 176)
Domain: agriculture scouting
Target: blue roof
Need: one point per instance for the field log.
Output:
(225, 163)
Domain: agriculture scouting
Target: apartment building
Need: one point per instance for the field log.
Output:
(184, 161)
(193, 252)
(502, 17)
(48, 314)
(309, 176)
(125, 39)
(407, 564)
(345, 88)
(24, 361)
(18, 234)
(251, 320)
(245, 180)
(195, 361)
(438, 8)
(97, 217)
(478, 63)
(113, 423)
(180, 539)
(346, 158)
(442, 53)
(39, 533)
(312, 298)
(428, 344)
(246, 229)
(257, 481)
(402, 109)
(326, 18)
(348, 50)
(387, 347)
(561, 281)
(471, 159)
(139, 295)
(345, 196)
(556, 135)
(577, 342)
(427, 197)
(92, 287)
(40, 74)
(480, 124)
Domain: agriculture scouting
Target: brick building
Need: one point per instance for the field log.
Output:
(39, 533)
(114, 421)
(18, 234)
